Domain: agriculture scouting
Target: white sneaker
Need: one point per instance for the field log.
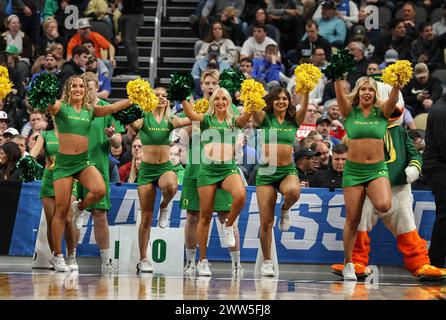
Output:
(72, 264)
(52, 262)
(237, 270)
(190, 269)
(108, 267)
(267, 269)
(229, 235)
(349, 272)
(285, 221)
(59, 264)
(163, 219)
(203, 268)
(78, 215)
(144, 266)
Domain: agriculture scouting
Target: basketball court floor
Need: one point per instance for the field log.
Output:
(295, 282)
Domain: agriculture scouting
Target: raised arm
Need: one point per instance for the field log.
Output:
(258, 116)
(180, 122)
(102, 111)
(191, 114)
(390, 104)
(344, 105)
(243, 119)
(300, 115)
(35, 151)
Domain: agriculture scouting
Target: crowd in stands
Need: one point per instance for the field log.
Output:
(266, 40)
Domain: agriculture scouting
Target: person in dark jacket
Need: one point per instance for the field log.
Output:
(434, 172)
(75, 66)
(428, 48)
(422, 91)
(331, 178)
(313, 39)
(28, 12)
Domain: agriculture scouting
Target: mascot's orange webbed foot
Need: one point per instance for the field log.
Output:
(430, 273)
(361, 270)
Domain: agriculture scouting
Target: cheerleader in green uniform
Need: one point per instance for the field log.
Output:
(156, 169)
(189, 193)
(365, 171)
(219, 129)
(49, 142)
(73, 115)
(279, 123)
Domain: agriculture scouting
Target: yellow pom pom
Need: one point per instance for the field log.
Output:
(140, 93)
(201, 106)
(398, 73)
(307, 77)
(5, 87)
(251, 93)
(4, 72)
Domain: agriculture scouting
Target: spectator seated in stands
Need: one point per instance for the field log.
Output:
(330, 26)
(212, 10)
(216, 52)
(346, 10)
(390, 57)
(99, 10)
(324, 149)
(132, 176)
(262, 18)
(309, 123)
(334, 116)
(331, 178)
(102, 68)
(323, 127)
(126, 163)
(440, 26)
(310, 41)
(49, 66)
(4, 120)
(307, 163)
(329, 93)
(50, 36)
(9, 155)
(410, 23)
(245, 67)
(100, 43)
(75, 66)
(255, 46)
(286, 15)
(105, 89)
(422, 91)
(233, 25)
(36, 123)
(397, 39)
(18, 70)
(428, 48)
(57, 50)
(267, 70)
(14, 36)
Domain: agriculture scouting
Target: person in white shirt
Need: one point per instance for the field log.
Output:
(255, 46)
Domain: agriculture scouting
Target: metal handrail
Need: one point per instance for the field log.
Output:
(156, 43)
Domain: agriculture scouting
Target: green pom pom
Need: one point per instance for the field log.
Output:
(43, 91)
(30, 168)
(129, 115)
(341, 62)
(231, 80)
(181, 86)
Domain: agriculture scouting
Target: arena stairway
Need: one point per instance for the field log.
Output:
(177, 45)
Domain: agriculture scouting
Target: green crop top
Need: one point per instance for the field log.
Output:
(211, 128)
(285, 133)
(372, 127)
(51, 144)
(70, 121)
(153, 133)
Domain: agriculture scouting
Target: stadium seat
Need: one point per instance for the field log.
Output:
(436, 15)
(421, 14)
(421, 121)
(103, 28)
(439, 74)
